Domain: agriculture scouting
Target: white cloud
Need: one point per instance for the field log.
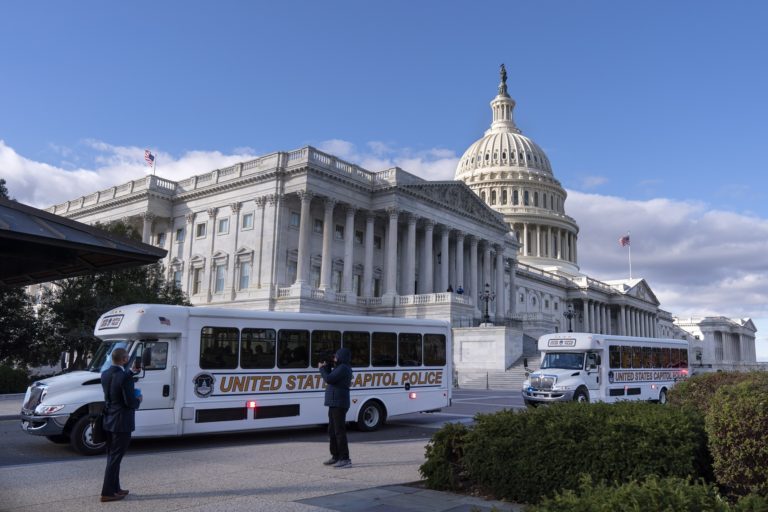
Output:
(591, 182)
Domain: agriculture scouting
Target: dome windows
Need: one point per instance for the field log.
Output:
(493, 197)
(526, 198)
(503, 197)
(515, 199)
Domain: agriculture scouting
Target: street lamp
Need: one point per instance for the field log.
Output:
(487, 296)
(569, 314)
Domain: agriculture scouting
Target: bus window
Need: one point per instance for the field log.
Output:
(683, 358)
(657, 358)
(614, 356)
(665, 358)
(626, 357)
(409, 348)
(324, 345)
(637, 357)
(434, 350)
(218, 348)
(359, 344)
(292, 348)
(674, 361)
(157, 354)
(647, 357)
(383, 349)
(257, 348)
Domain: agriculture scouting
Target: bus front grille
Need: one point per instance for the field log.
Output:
(543, 381)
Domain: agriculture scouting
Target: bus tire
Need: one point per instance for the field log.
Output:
(81, 439)
(662, 396)
(371, 416)
(58, 439)
(581, 396)
(531, 405)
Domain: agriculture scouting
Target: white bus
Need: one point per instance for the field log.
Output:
(209, 370)
(603, 368)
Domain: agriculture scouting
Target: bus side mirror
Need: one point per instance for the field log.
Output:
(525, 362)
(146, 358)
(599, 360)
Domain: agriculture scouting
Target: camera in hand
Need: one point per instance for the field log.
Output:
(327, 358)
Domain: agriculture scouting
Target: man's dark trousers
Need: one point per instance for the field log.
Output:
(117, 445)
(337, 433)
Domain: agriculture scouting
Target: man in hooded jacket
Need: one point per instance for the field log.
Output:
(338, 380)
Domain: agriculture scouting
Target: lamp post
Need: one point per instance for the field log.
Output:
(487, 296)
(569, 314)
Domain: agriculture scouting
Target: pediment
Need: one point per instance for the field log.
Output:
(456, 195)
(642, 291)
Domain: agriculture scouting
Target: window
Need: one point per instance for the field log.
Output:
(535, 199)
(377, 242)
(336, 284)
(383, 349)
(314, 277)
(292, 349)
(324, 345)
(160, 239)
(317, 226)
(223, 228)
(177, 279)
(614, 356)
(546, 303)
(247, 222)
(359, 237)
(544, 198)
(637, 357)
(257, 348)
(200, 230)
(291, 272)
(245, 275)
(218, 348)
(515, 197)
(197, 280)
(221, 276)
(359, 344)
(357, 282)
(493, 197)
(180, 235)
(503, 197)
(377, 287)
(526, 198)
(338, 233)
(434, 350)
(154, 354)
(409, 349)
(482, 195)
(295, 220)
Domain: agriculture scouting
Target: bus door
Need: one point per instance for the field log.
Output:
(157, 375)
(592, 370)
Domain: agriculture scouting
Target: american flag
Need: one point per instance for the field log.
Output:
(149, 158)
(624, 241)
(164, 321)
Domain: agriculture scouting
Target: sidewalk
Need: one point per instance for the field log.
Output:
(285, 476)
(10, 406)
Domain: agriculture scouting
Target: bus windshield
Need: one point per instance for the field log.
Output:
(564, 360)
(102, 359)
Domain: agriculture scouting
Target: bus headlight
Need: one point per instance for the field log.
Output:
(563, 388)
(45, 410)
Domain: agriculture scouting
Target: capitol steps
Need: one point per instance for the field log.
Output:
(509, 380)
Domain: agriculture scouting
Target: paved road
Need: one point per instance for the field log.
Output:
(20, 448)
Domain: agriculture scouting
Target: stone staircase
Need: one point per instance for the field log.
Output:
(509, 380)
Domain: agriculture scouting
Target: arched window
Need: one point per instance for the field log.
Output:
(503, 197)
(515, 197)
(493, 197)
(544, 198)
(482, 195)
(535, 199)
(526, 198)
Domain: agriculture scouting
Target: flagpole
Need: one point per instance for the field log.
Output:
(154, 164)
(630, 255)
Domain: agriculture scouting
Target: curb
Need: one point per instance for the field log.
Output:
(10, 417)
(12, 396)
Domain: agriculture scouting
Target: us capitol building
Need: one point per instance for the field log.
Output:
(494, 251)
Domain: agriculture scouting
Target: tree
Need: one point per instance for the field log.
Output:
(3, 189)
(71, 307)
(19, 330)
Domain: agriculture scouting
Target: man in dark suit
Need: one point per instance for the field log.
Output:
(119, 421)
(338, 380)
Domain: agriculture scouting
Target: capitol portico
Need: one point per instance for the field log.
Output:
(303, 230)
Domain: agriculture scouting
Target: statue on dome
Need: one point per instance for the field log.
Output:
(503, 83)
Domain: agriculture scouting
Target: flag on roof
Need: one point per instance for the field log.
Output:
(164, 321)
(624, 241)
(149, 158)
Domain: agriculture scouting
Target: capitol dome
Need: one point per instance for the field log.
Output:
(512, 174)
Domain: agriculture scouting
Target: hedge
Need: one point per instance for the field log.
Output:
(650, 494)
(13, 380)
(698, 391)
(444, 468)
(737, 427)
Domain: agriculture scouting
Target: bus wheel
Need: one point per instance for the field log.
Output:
(81, 438)
(371, 417)
(663, 396)
(531, 405)
(581, 396)
(58, 439)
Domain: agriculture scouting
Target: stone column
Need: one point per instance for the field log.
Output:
(622, 321)
(460, 259)
(525, 239)
(499, 284)
(429, 278)
(368, 269)
(302, 267)
(146, 228)
(512, 288)
(235, 207)
(188, 239)
(327, 257)
(349, 255)
(391, 287)
(444, 258)
(538, 241)
(410, 257)
(587, 324)
(486, 264)
(473, 272)
(212, 214)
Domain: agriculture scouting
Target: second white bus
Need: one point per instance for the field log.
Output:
(209, 370)
(588, 367)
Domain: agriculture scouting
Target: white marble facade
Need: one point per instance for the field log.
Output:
(305, 231)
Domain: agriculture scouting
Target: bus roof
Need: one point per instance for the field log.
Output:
(586, 341)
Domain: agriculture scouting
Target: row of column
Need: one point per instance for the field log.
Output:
(473, 288)
(733, 347)
(632, 321)
(544, 241)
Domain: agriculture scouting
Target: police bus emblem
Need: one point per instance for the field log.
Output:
(203, 384)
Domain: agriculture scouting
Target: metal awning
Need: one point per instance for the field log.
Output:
(37, 246)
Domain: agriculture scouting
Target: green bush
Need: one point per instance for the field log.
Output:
(524, 457)
(13, 380)
(737, 427)
(699, 390)
(652, 494)
(444, 458)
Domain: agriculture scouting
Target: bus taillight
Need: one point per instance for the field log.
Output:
(412, 395)
(250, 404)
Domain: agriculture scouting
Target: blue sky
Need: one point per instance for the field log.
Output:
(653, 111)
